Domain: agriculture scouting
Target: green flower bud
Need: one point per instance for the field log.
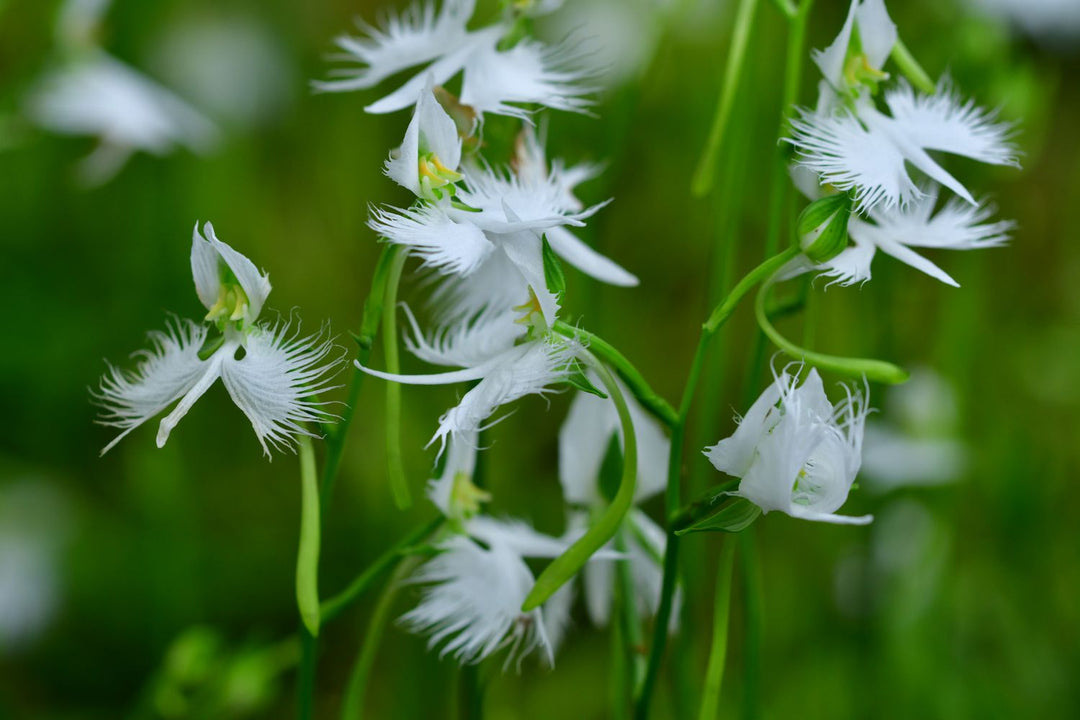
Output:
(822, 227)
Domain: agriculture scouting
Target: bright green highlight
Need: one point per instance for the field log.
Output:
(307, 559)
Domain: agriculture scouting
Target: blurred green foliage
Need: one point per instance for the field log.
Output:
(174, 566)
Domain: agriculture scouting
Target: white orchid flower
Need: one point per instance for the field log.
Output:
(586, 434)
(494, 80)
(955, 225)
(795, 451)
(128, 112)
(853, 146)
(270, 372)
(429, 155)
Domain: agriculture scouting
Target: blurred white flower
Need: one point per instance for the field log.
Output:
(100, 96)
(1056, 21)
(495, 80)
(915, 444)
(270, 374)
(795, 451)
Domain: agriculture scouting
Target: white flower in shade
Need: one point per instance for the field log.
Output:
(954, 225)
(1055, 21)
(795, 451)
(853, 146)
(270, 372)
(494, 80)
(584, 439)
(100, 96)
(429, 155)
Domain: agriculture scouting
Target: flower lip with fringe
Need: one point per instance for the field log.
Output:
(795, 451)
(270, 371)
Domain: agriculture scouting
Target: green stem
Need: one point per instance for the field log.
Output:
(911, 68)
(628, 615)
(716, 320)
(307, 557)
(353, 705)
(305, 693)
(333, 607)
(365, 340)
(714, 674)
(634, 380)
(753, 601)
(877, 370)
(395, 465)
(564, 567)
(744, 19)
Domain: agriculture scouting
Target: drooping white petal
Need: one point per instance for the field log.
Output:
(909, 257)
(165, 373)
(256, 284)
(418, 35)
(472, 603)
(852, 265)
(529, 72)
(276, 381)
(944, 122)
(571, 249)
(831, 59)
(584, 439)
(443, 243)
(877, 32)
(734, 455)
(956, 226)
(517, 535)
(849, 156)
(467, 343)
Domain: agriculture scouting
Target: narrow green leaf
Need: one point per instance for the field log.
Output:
(553, 272)
(732, 517)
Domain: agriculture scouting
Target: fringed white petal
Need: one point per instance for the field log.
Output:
(529, 72)
(510, 203)
(944, 122)
(467, 343)
(472, 604)
(164, 374)
(517, 535)
(256, 284)
(852, 265)
(442, 243)
(734, 455)
(495, 287)
(956, 226)
(849, 156)
(277, 380)
(418, 35)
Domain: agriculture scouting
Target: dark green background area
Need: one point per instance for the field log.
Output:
(978, 618)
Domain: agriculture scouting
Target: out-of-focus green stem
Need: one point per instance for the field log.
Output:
(307, 556)
(753, 601)
(714, 673)
(634, 380)
(365, 340)
(629, 616)
(877, 370)
(395, 466)
(353, 705)
(604, 528)
(911, 68)
(333, 607)
(702, 182)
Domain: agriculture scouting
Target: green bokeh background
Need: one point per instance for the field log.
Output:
(978, 618)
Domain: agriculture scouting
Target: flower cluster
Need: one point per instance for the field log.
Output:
(847, 144)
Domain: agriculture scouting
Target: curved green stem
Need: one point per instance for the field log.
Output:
(333, 607)
(353, 705)
(574, 558)
(307, 556)
(714, 673)
(877, 370)
(763, 271)
(395, 466)
(744, 20)
(911, 68)
(634, 380)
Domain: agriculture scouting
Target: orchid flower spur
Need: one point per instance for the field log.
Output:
(853, 146)
(495, 79)
(271, 373)
(796, 452)
(584, 439)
